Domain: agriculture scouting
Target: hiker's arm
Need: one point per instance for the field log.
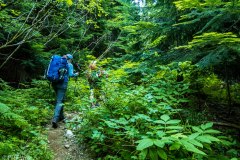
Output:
(70, 71)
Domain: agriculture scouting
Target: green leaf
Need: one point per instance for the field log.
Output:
(178, 135)
(143, 154)
(196, 143)
(172, 131)
(175, 121)
(174, 127)
(69, 2)
(190, 147)
(160, 134)
(197, 129)
(211, 138)
(226, 143)
(153, 154)
(111, 124)
(144, 143)
(159, 143)
(165, 117)
(193, 136)
(161, 153)
(174, 146)
(212, 131)
(203, 139)
(207, 125)
(160, 122)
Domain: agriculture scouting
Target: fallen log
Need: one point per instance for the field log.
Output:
(227, 125)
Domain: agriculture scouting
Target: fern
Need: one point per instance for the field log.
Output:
(10, 119)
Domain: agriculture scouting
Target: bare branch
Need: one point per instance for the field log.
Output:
(13, 52)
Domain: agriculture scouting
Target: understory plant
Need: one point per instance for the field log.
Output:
(144, 121)
(23, 116)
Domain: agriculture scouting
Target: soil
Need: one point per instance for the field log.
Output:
(65, 148)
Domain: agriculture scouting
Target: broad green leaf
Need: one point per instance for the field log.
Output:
(160, 134)
(165, 117)
(69, 2)
(195, 150)
(178, 135)
(144, 143)
(143, 154)
(197, 129)
(208, 146)
(162, 154)
(196, 143)
(174, 127)
(174, 146)
(203, 139)
(111, 124)
(159, 143)
(211, 138)
(212, 131)
(172, 131)
(193, 136)
(121, 121)
(153, 154)
(175, 121)
(160, 122)
(207, 125)
(225, 142)
(167, 140)
(190, 147)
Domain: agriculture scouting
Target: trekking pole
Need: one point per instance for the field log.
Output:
(78, 68)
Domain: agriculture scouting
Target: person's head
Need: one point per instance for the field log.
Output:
(93, 65)
(69, 57)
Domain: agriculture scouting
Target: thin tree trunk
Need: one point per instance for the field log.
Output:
(229, 98)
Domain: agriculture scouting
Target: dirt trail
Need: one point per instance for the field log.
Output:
(65, 148)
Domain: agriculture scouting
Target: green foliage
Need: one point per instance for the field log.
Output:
(77, 95)
(23, 115)
(141, 94)
(68, 2)
(143, 122)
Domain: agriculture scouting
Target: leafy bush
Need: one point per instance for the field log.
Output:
(143, 122)
(23, 113)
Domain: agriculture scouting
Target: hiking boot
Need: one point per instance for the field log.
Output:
(54, 124)
(63, 120)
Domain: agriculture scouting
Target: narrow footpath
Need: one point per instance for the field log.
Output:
(63, 143)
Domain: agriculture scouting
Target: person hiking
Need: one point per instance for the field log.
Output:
(60, 89)
(94, 76)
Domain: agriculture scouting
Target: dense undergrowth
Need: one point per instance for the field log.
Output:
(148, 110)
(24, 114)
(154, 120)
(141, 116)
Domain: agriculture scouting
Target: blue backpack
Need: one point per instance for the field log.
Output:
(57, 69)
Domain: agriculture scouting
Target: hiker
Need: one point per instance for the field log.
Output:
(94, 76)
(60, 89)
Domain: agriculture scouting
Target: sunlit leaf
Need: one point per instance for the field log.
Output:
(165, 117)
(159, 143)
(144, 143)
(175, 121)
(206, 126)
(203, 139)
(191, 147)
(175, 146)
(197, 129)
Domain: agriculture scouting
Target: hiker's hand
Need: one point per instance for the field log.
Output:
(76, 74)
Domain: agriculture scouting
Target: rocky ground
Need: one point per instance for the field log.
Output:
(64, 145)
